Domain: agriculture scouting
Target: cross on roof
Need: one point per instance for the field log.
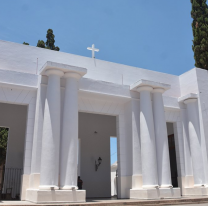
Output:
(93, 50)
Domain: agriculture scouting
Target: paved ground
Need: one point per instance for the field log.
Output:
(188, 201)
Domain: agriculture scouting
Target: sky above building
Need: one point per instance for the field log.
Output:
(150, 34)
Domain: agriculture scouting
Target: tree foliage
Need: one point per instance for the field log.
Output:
(41, 44)
(3, 144)
(199, 14)
(50, 42)
(25, 43)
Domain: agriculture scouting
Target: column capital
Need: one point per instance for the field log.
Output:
(147, 83)
(187, 101)
(144, 88)
(65, 68)
(74, 75)
(57, 72)
(158, 90)
(188, 96)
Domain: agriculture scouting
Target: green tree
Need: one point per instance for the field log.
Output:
(51, 40)
(41, 44)
(49, 44)
(3, 144)
(199, 14)
(25, 43)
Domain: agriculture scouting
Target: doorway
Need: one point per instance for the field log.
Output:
(172, 154)
(12, 145)
(95, 131)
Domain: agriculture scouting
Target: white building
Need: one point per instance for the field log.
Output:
(114, 168)
(42, 94)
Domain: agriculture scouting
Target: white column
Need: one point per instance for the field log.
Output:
(195, 142)
(69, 140)
(161, 136)
(49, 171)
(148, 150)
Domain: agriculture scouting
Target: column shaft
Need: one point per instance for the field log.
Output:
(148, 150)
(195, 142)
(49, 171)
(69, 140)
(161, 136)
(38, 128)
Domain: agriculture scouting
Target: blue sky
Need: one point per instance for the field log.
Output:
(151, 34)
(113, 149)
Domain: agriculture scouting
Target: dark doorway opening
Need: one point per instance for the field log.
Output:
(172, 154)
(13, 121)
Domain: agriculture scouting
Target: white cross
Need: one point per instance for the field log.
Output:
(93, 50)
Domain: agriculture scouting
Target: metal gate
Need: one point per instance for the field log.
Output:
(10, 183)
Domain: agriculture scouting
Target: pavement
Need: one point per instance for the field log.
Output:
(189, 201)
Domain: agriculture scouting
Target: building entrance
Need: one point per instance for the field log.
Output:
(172, 154)
(94, 154)
(12, 142)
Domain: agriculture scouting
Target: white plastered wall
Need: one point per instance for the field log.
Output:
(18, 57)
(14, 95)
(22, 96)
(14, 117)
(183, 155)
(196, 81)
(202, 83)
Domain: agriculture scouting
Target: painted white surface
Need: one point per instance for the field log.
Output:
(14, 117)
(54, 196)
(195, 141)
(38, 128)
(188, 82)
(69, 139)
(148, 147)
(202, 81)
(93, 49)
(155, 193)
(51, 132)
(106, 90)
(162, 149)
(18, 57)
(22, 96)
(136, 142)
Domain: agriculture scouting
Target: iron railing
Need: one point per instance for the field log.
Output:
(10, 183)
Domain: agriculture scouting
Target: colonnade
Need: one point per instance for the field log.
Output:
(51, 139)
(154, 141)
(153, 134)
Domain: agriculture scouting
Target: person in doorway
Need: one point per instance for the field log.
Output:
(79, 183)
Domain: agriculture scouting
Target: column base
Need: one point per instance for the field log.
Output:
(48, 187)
(155, 193)
(55, 196)
(24, 185)
(71, 187)
(195, 191)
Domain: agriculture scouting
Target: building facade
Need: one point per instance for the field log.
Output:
(74, 104)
